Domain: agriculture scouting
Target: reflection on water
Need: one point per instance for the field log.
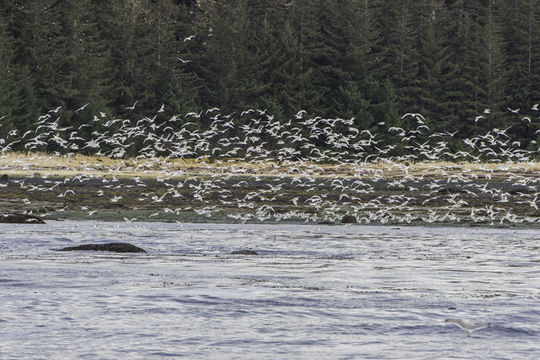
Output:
(312, 292)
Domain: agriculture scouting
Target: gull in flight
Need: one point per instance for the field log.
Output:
(417, 116)
(132, 107)
(467, 326)
(82, 107)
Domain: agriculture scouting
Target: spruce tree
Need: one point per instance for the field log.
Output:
(289, 74)
(398, 34)
(83, 61)
(6, 80)
(492, 57)
(180, 44)
(462, 101)
(324, 49)
(521, 27)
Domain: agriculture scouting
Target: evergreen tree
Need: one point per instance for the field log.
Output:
(462, 100)
(27, 34)
(35, 29)
(492, 58)
(239, 49)
(6, 80)
(398, 24)
(131, 37)
(432, 64)
(25, 107)
(454, 61)
(323, 37)
(289, 74)
(83, 61)
(178, 83)
(521, 19)
(363, 60)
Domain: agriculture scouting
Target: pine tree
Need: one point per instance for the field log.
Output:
(533, 50)
(131, 41)
(25, 107)
(372, 60)
(178, 83)
(6, 80)
(521, 38)
(323, 41)
(83, 61)
(35, 27)
(398, 34)
(289, 74)
(363, 60)
(245, 48)
(492, 58)
(432, 63)
(30, 72)
(462, 103)
(520, 30)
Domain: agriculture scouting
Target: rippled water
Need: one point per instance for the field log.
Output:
(336, 292)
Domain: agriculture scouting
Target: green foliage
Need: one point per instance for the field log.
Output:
(368, 60)
(521, 35)
(6, 80)
(25, 108)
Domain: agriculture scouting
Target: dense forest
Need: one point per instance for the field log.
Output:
(460, 63)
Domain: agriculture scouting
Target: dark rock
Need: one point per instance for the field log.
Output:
(20, 219)
(349, 219)
(4, 178)
(112, 247)
(450, 190)
(244, 252)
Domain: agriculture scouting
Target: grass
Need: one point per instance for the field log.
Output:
(30, 164)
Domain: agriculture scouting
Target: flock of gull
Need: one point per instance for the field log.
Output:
(252, 167)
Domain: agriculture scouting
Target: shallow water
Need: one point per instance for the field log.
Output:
(336, 292)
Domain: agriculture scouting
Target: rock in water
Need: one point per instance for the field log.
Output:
(244, 252)
(349, 219)
(112, 247)
(20, 219)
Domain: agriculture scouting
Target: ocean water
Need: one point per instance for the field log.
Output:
(313, 292)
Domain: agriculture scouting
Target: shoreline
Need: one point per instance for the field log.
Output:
(30, 164)
(421, 194)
